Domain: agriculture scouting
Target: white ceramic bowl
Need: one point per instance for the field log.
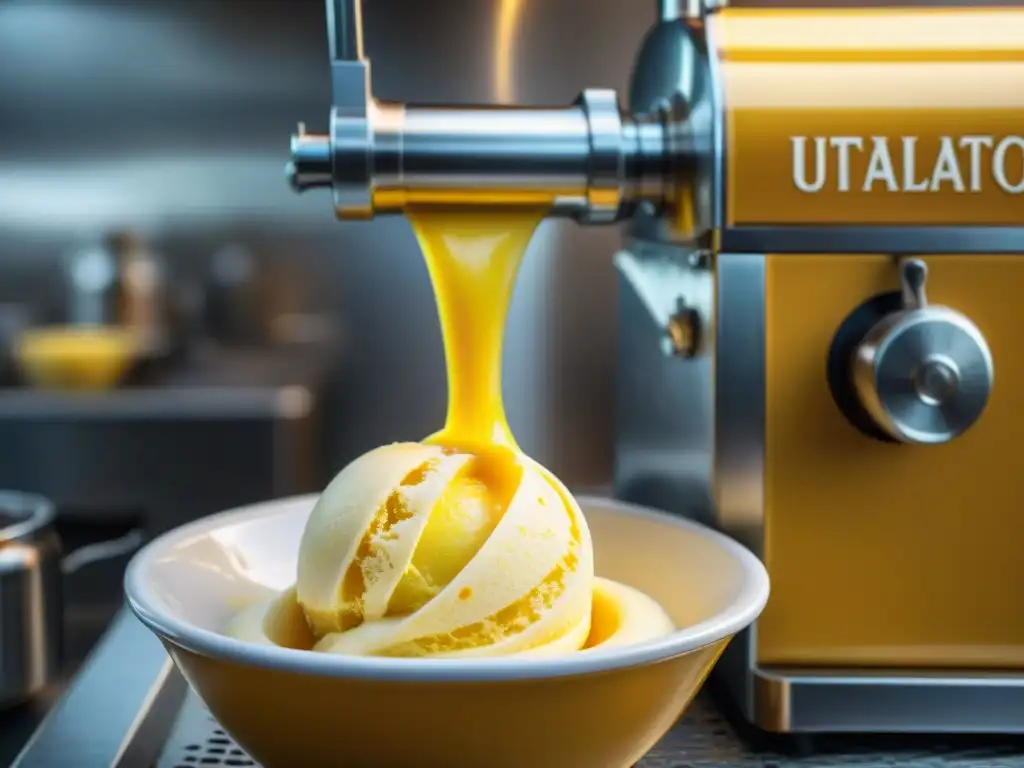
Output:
(289, 708)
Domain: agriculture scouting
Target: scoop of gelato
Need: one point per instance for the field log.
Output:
(421, 550)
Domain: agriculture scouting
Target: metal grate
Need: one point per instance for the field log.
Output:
(704, 738)
(197, 741)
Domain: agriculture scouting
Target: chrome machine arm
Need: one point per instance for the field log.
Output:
(590, 161)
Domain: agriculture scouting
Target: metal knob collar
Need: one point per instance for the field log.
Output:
(924, 374)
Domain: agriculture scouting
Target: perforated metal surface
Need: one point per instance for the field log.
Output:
(702, 739)
(197, 741)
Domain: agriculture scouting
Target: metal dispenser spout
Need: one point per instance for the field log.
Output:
(589, 161)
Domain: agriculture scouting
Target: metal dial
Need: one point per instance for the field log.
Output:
(924, 374)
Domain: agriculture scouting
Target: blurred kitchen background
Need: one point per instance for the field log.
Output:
(142, 148)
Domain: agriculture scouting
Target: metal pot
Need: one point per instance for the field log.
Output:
(31, 584)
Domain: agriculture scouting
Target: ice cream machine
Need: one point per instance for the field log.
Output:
(821, 275)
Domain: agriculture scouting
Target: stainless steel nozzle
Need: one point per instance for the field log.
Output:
(586, 161)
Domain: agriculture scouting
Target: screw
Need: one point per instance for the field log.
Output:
(682, 334)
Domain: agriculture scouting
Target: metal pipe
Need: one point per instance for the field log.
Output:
(507, 156)
(586, 161)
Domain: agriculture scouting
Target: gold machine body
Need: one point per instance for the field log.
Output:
(850, 147)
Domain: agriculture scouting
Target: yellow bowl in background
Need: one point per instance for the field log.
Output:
(596, 709)
(75, 357)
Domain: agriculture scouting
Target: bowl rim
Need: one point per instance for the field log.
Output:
(740, 613)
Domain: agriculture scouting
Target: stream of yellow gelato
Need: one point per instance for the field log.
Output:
(459, 545)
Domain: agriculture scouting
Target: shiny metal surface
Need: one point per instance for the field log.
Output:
(585, 161)
(31, 592)
(740, 406)
(31, 623)
(664, 438)
(130, 680)
(668, 10)
(887, 701)
(690, 433)
(675, 286)
(345, 22)
(903, 241)
(588, 161)
(719, 145)
(347, 152)
(738, 442)
(923, 374)
(672, 77)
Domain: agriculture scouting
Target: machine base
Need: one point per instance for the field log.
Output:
(798, 700)
(789, 700)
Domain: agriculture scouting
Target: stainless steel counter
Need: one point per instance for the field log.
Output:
(129, 708)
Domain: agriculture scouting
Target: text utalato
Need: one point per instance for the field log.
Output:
(962, 164)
